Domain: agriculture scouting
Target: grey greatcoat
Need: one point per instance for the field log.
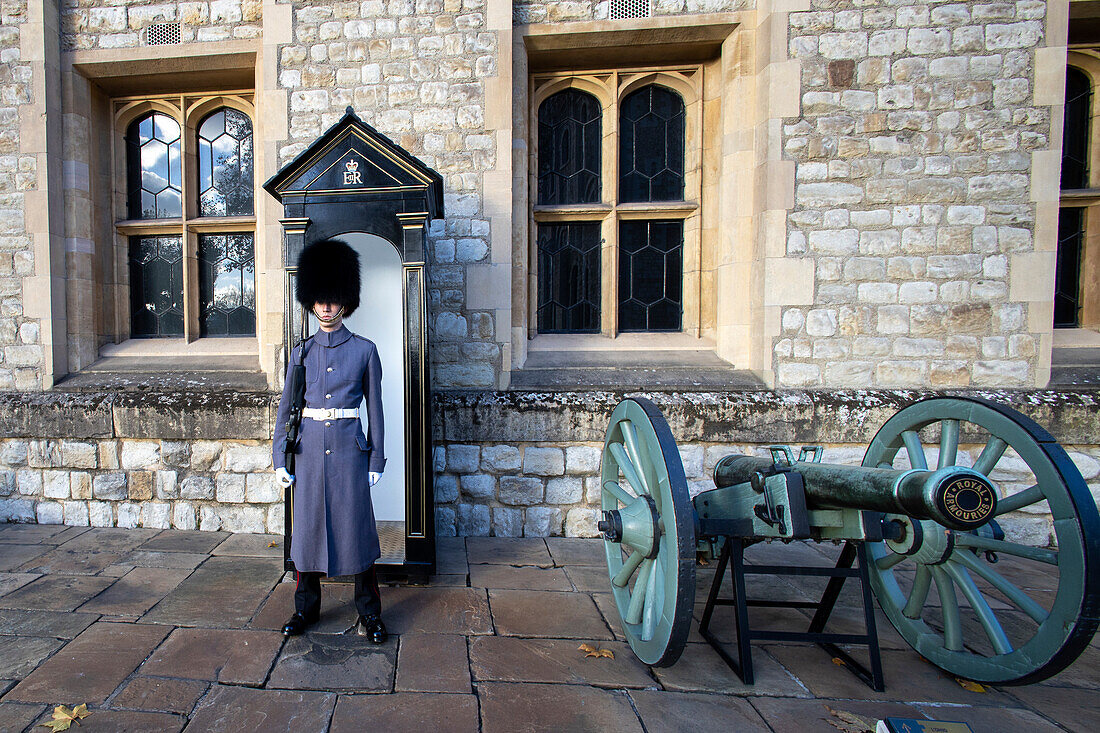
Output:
(334, 531)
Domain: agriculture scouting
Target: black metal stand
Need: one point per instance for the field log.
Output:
(734, 549)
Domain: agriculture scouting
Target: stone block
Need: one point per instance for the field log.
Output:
(507, 522)
(108, 455)
(204, 453)
(543, 461)
(17, 510)
(75, 513)
(55, 484)
(500, 458)
(463, 458)
(127, 515)
(110, 486)
(446, 488)
(101, 514)
(542, 522)
(165, 485)
(141, 485)
(242, 458)
(79, 455)
(44, 453)
(240, 518)
(49, 512)
(14, 453)
(28, 482)
(691, 456)
(582, 459)
(228, 488)
(478, 486)
(582, 523)
(140, 454)
(183, 515)
(156, 515)
(261, 488)
(197, 487)
(445, 519)
(564, 490)
(472, 520)
(520, 490)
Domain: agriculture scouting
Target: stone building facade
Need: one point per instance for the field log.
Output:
(869, 199)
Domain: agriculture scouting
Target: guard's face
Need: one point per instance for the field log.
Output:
(329, 314)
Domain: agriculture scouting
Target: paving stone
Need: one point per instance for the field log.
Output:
(1083, 672)
(908, 678)
(56, 592)
(671, 711)
(435, 611)
(1074, 708)
(71, 562)
(547, 614)
(13, 556)
(432, 663)
(143, 558)
(985, 718)
(11, 581)
(589, 578)
(44, 623)
(450, 556)
(66, 534)
(183, 540)
(224, 592)
(136, 592)
(19, 655)
(228, 656)
(14, 718)
(786, 714)
(700, 669)
(29, 534)
(109, 539)
(609, 612)
(554, 708)
(126, 721)
(160, 695)
(409, 711)
(246, 710)
(338, 613)
(92, 665)
(448, 581)
(251, 545)
(508, 551)
(526, 577)
(575, 551)
(510, 659)
(335, 662)
(6, 685)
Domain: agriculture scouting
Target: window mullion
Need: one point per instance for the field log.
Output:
(610, 252)
(190, 237)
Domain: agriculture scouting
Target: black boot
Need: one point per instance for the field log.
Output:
(371, 626)
(297, 623)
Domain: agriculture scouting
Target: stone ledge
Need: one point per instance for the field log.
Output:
(750, 416)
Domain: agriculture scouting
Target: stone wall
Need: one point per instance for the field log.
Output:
(162, 460)
(562, 12)
(91, 24)
(20, 349)
(920, 153)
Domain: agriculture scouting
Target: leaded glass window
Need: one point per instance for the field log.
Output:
(227, 285)
(225, 164)
(154, 173)
(1075, 130)
(569, 278)
(651, 145)
(156, 286)
(569, 149)
(651, 275)
(1067, 273)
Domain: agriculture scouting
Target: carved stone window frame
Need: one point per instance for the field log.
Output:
(610, 86)
(189, 110)
(1088, 199)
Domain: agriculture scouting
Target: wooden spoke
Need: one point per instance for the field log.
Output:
(1016, 596)
(922, 582)
(986, 617)
(618, 492)
(637, 596)
(1038, 554)
(649, 606)
(949, 443)
(994, 449)
(949, 604)
(622, 578)
(630, 441)
(914, 448)
(1027, 497)
(888, 561)
(633, 477)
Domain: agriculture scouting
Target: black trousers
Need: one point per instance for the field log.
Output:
(368, 599)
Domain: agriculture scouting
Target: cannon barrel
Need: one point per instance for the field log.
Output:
(954, 496)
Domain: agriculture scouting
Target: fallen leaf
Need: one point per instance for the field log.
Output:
(970, 685)
(273, 543)
(850, 722)
(595, 651)
(63, 717)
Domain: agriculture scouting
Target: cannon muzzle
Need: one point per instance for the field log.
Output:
(956, 497)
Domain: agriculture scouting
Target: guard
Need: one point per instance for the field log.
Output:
(335, 462)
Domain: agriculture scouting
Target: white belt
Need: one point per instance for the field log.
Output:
(330, 413)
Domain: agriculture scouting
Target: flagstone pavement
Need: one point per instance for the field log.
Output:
(172, 630)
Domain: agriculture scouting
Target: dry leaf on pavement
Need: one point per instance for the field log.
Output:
(595, 651)
(63, 717)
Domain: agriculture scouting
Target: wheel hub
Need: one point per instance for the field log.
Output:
(636, 525)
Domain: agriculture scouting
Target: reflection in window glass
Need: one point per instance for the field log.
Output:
(225, 164)
(1067, 272)
(154, 177)
(1075, 130)
(651, 274)
(569, 278)
(227, 285)
(651, 145)
(156, 286)
(569, 149)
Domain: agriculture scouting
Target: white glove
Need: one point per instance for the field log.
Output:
(284, 479)
(372, 477)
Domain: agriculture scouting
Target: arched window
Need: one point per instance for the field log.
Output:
(154, 174)
(651, 145)
(225, 164)
(227, 285)
(1075, 135)
(569, 149)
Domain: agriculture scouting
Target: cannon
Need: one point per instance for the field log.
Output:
(921, 522)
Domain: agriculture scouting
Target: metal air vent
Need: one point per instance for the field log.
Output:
(622, 9)
(162, 34)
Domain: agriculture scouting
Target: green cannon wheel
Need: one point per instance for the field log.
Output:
(649, 532)
(994, 604)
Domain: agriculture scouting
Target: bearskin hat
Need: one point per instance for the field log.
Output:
(328, 272)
